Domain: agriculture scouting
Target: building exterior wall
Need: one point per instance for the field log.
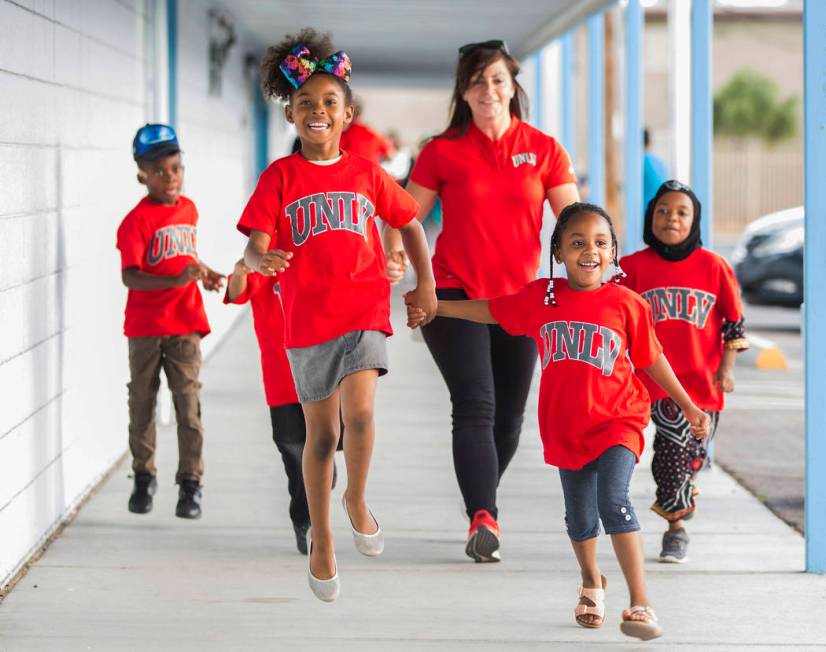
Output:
(76, 80)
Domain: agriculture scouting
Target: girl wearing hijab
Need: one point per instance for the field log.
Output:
(698, 318)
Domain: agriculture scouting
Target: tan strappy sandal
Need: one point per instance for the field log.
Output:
(644, 630)
(597, 596)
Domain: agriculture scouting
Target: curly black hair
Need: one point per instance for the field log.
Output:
(274, 83)
(568, 213)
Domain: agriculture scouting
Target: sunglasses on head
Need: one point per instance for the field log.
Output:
(676, 185)
(494, 44)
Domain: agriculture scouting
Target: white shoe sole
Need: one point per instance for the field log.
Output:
(669, 559)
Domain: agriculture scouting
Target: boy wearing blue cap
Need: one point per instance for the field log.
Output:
(165, 318)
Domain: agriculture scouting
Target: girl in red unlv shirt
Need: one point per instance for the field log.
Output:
(493, 173)
(698, 317)
(592, 407)
(311, 220)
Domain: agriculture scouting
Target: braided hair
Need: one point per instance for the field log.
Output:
(568, 213)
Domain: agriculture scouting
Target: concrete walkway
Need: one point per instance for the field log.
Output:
(233, 580)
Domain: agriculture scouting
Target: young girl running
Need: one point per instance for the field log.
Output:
(592, 408)
(698, 317)
(311, 220)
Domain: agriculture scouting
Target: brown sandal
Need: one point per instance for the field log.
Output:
(597, 596)
(644, 630)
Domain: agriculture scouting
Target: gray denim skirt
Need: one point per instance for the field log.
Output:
(318, 370)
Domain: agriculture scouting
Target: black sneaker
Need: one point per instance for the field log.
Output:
(300, 530)
(675, 547)
(140, 502)
(189, 499)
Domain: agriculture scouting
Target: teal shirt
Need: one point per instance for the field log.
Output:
(654, 174)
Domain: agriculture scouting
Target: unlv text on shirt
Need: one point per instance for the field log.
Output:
(171, 241)
(686, 304)
(592, 344)
(329, 211)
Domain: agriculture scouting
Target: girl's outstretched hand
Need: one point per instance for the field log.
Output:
(699, 420)
(421, 305)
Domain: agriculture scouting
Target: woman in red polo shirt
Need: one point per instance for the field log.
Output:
(492, 173)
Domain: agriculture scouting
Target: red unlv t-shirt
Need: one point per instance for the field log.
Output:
(268, 320)
(160, 239)
(361, 140)
(325, 215)
(589, 397)
(689, 299)
(492, 197)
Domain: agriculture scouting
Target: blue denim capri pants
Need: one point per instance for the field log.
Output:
(599, 492)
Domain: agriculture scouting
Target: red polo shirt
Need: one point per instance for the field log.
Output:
(492, 197)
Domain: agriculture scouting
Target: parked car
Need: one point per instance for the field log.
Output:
(768, 259)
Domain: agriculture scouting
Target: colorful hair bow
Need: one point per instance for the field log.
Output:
(300, 63)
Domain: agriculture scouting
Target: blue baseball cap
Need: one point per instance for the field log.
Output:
(154, 141)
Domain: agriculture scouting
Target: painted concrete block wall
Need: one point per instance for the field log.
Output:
(75, 83)
(72, 82)
(216, 134)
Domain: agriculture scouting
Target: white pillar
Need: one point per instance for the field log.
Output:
(679, 88)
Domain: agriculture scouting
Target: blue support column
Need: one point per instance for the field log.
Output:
(538, 90)
(814, 108)
(633, 126)
(596, 109)
(702, 165)
(567, 94)
(172, 58)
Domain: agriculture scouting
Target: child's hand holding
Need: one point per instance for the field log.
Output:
(396, 266)
(724, 379)
(274, 262)
(699, 420)
(415, 316)
(211, 280)
(423, 301)
(194, 272)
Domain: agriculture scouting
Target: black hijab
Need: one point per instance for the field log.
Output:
(687, 246)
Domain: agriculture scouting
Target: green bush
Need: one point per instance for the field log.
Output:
(749, 106)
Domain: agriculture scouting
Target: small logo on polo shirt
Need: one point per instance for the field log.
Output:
(527, 157)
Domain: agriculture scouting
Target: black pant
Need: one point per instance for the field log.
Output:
(289, 432)
(488, 374)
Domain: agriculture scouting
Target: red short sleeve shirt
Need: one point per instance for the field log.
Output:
(359, 139)
(268, 320)
(589, 397)
(325, 215)
(161, 240)
(492, 199)
(689, 299)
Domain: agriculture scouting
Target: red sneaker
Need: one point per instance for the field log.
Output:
(483, 538)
